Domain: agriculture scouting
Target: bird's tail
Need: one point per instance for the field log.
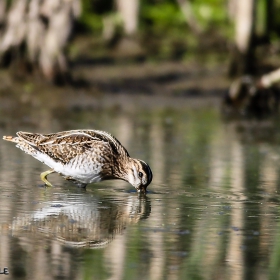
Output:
(11, 139)
(22, 144)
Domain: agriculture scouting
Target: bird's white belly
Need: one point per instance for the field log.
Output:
(83, 171)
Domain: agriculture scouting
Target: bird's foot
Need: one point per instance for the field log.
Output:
(77, 183)
(44, 177)
(80, 185)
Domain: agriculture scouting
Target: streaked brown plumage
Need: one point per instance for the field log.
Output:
(84, 156)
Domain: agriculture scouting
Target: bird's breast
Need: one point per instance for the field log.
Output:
(85, 168)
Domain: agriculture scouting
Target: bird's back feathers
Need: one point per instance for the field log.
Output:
(66, 145)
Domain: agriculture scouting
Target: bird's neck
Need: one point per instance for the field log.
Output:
(122, 167)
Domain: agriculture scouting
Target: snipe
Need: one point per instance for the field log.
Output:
(84, 156)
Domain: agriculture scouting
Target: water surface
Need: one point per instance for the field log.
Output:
(211, 212)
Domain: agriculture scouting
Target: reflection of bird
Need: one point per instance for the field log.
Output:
(81, 220)
(84, 156)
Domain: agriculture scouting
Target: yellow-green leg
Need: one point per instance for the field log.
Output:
(44, 177)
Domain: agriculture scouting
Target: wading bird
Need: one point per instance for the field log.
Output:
(84, 157)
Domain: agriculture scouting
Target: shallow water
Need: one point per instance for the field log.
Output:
(211, 212)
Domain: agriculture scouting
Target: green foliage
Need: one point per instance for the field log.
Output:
(167, 14)
(92, 22)
(158, 15)
(165, 20)
(261, 19)
(166, 27)
(210, 12)
(93, 12)
(161, 17)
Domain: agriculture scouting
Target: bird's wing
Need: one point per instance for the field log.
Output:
(66, 145)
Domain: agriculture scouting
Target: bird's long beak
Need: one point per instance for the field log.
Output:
(141, 189)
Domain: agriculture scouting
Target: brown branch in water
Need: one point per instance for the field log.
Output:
(253, 85)
(253, 97)
(269, 79)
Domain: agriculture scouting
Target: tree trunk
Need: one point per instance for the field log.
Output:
(121, 29)
(129, 10)
(37, 32)
(243, 15)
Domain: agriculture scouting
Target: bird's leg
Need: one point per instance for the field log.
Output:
(80, 185)
(44, 177)
(77, 183)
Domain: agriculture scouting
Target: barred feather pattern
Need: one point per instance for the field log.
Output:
(91, 151)
(85, 156)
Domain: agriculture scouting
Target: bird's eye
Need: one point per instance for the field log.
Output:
(140, 174)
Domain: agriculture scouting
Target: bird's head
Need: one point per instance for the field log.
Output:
(139, 175)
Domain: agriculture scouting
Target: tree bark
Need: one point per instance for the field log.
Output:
(244, 23)
(43, 27)
(243, 15)
(129, 11)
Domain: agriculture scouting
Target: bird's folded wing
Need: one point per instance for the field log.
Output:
(65, 146)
